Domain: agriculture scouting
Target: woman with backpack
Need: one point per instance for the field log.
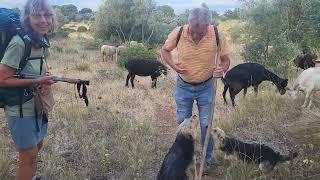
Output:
(28, 120)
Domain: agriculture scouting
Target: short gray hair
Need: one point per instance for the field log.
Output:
(201, 16)
(31, 7)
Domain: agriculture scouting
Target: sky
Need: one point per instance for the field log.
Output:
(178, 5)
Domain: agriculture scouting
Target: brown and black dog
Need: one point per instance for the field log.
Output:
(258, 153)
(181, 153)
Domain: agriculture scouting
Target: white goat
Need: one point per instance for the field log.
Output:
(120, 50)
(107, 52)
(308, 82)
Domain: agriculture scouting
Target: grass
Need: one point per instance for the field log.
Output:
(269, 119)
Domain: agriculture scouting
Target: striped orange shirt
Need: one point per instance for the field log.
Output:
(197, 58)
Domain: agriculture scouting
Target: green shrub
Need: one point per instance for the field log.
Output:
(93, 44)
(61, 33)
(71, 51)
(112, 74)
(136, 51)
(237, 34)
(82, 67)
(69, 30)
(57, 49)
(82, 29)
(278, 59)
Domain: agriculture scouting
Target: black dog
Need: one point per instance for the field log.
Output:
(259, 153)
(181, 153)
(142, 67)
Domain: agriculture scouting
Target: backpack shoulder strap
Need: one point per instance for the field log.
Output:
(217, 36)
(27, 52)
(179, 35)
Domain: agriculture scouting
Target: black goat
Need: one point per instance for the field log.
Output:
(142, 67)
(305, 60)
(245, 75)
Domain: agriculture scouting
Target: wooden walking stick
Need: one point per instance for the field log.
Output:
(211, 115)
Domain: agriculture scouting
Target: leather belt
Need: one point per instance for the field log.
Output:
(194, 83)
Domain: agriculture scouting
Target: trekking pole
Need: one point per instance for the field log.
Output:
(211, 115)
(55, 78)
(78, 82)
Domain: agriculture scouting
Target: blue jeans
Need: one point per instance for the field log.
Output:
(185, 95)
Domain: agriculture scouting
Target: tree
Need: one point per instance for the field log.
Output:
(142, 10)
(182, 18)
(85, 10)
(161, 24)
(138, 23)
(70, 11)
(247, 4)
(232, 14)
(112, 20)
(166, 10)
(268, 25)
(60, 17)
(310, 23)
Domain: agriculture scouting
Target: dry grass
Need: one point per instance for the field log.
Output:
(113, 138)
(125, 133)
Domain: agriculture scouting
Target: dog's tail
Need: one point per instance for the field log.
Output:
(288, 157)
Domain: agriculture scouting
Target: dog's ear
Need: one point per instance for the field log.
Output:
(284, 83)
(287, 88)
(214, 130)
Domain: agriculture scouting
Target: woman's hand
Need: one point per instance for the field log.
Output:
(45, 84)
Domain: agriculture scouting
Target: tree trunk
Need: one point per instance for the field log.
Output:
(131, 31)
(142, 32)
(150, 36)
(119, 36)
(124, 36)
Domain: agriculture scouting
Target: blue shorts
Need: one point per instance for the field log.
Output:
(24, 131)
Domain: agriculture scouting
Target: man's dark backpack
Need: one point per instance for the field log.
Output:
(9, 27)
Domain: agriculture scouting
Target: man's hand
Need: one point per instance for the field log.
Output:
(180, 68)
(217, 71)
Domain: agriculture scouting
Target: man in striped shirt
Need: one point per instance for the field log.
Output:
(197, 47)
